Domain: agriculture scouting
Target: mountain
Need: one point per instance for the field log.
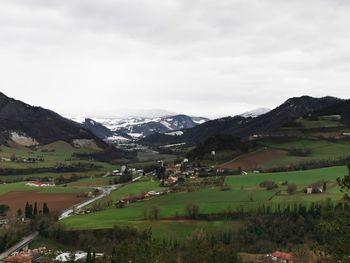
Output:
(255, 113)
(103, 132)
(139, 127)
(27, 125)
(246, 126)
(342, 108)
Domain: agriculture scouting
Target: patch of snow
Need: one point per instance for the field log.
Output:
(115, 138)
(174, 145)
(255, 113)
(136, 135)
(174, 133)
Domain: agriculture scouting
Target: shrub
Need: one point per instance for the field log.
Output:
(192, 210)
(269, 185)
(292, 189)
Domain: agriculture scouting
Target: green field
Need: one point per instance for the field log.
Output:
(21, 186)
(321, 150)
(135, 189)
(245, 193)
(53, 154)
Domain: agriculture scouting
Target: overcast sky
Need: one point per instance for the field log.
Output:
(200, 57)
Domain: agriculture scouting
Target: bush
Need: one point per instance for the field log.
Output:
(192, 210)
(292, 189)
(269, 185)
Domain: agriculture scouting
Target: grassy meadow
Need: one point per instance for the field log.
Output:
(245, 193)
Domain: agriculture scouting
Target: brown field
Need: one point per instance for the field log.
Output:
(55, 202)
(254, 160)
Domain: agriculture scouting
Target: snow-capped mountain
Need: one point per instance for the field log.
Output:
(255, 113)
(137, 127)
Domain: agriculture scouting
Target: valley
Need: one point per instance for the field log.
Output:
(210, 180)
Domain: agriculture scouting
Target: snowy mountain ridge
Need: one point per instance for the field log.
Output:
(139, 127)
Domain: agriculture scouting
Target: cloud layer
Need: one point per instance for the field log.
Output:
(199, 57)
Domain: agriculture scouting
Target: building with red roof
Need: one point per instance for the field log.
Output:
(282, 257)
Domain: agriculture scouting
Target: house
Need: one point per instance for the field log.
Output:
(309, 190)
(316, 188)
(170, 181)
(282, 257)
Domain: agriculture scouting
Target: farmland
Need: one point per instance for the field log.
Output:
(55, 201)
(275, 154)
(244, 192)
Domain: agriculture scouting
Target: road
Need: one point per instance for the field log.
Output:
(105, 191)
(23, 243)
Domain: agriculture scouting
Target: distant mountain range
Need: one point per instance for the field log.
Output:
(22, 124)
(121, 129)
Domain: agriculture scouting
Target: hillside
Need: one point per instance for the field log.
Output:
(22, 124)
(101, 131)
(265, 124)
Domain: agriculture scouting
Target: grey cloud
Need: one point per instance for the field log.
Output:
(218, 57)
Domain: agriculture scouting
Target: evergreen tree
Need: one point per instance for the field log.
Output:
(26, 211)
(46, 210)
(88, 257)
(19, 212)
(30, 211)
(35, 212)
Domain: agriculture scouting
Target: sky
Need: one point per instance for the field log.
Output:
(198, 57)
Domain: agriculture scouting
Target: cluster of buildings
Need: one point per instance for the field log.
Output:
(77, 256)
(125, 169)
(26, 256)
(140, 197)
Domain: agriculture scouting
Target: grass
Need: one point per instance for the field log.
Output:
(320, 123)
(321, 150)
(245, 193)
(62, 154)
(135, 189)
(21, 186)
(301, 178)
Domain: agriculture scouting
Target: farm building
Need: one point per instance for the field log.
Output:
(282, 257)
